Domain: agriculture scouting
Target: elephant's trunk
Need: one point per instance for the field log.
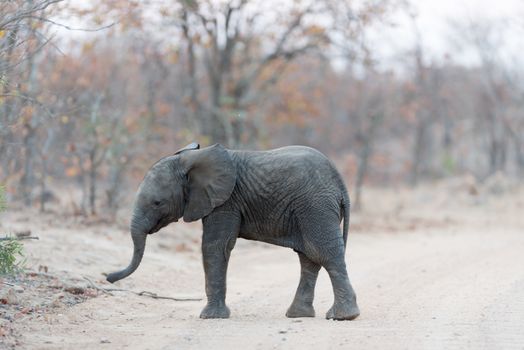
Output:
(139, 241)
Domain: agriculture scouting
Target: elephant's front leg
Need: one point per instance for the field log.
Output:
(220, 234)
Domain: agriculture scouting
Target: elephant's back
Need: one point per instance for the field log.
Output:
(285, 174)
(289, 158)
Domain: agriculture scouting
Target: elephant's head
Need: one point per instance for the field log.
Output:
(189, 184)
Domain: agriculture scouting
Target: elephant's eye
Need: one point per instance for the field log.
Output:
(156, 203)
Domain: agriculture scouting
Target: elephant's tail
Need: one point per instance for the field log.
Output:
(345, 209)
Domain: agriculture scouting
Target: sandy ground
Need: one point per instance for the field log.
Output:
(444, 273)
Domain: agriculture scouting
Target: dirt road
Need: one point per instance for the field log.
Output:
(444, 287)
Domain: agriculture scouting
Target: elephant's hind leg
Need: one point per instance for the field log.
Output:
(302, 305)
(345, 304)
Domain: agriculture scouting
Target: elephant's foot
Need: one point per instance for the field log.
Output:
(215, 310)
(343, 311)
(300, 309)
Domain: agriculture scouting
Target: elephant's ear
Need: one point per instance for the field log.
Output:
(191, 146)
(211, 178)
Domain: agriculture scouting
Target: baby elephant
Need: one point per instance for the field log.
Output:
(291, 196)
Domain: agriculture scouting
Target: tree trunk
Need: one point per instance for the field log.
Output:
(31, 123)
(419, 148)
(43, 187)
(195, 117)
(497, 155)
(83, 185)
(7, 106)
(44, 170)
(218, 130)
(519, 155)
(361, 173)
(368, 139)
(115, 186)
(27, 180)
(92, 181)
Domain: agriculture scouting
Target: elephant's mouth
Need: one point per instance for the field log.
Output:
(160, 224)
(157, 227)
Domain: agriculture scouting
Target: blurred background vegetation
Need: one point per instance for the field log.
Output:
(92, 93)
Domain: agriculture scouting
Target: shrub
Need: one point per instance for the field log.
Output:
(11, 256)
(11, 250)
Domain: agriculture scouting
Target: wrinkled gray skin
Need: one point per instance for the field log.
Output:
(291, 196)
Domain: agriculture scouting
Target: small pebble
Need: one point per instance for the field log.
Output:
(9, 297)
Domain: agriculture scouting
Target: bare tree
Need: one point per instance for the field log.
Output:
(349, 40)
(20, 39)
(422, 114)
(229, 38)
(499, 94)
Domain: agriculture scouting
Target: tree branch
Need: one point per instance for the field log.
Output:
(43, 19)
(19, 16)
(32, 100)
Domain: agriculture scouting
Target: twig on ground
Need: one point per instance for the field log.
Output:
(43, 274)
(156, 296)
(18, 238)
(8, 284)
(94, 286)
(142, 293)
